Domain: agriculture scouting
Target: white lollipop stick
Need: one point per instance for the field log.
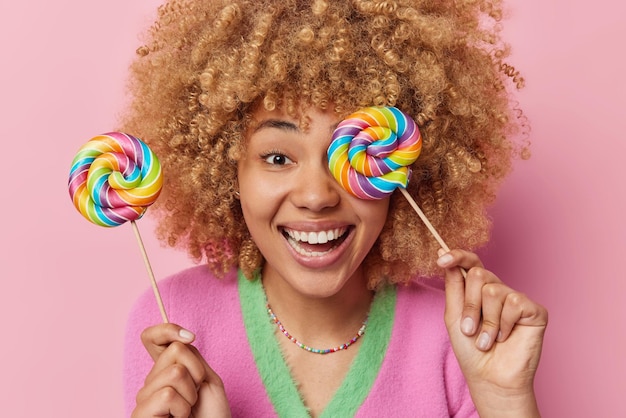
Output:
(430, 226)
(155, 288)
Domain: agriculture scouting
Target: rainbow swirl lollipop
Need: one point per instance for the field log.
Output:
(370, 154)
(371, 151)
(114, 178)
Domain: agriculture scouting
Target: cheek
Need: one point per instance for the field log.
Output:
(259, 203)
(375, 215)
(374, 211)
(255, 218)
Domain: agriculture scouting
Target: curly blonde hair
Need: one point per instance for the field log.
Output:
(207, 63)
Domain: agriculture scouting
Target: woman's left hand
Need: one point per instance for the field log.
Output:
(496, 334)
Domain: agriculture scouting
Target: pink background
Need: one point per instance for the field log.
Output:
(66, 285)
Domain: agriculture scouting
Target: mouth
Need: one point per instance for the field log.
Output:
(315, 243)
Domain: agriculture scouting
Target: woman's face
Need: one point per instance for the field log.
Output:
(313, 234)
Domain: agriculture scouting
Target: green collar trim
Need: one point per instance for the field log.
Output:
(275, 374)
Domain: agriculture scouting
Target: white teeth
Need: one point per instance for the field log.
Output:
(321, 237)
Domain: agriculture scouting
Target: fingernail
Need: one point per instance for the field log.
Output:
(444, 260)
(467, 326)
(483, 341)
(499, 337)
(186, 335)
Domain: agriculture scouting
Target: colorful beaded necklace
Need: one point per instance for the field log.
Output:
(291, 338)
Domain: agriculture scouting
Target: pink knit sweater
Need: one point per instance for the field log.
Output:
(405, 369)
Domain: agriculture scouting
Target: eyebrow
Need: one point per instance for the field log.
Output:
(277, 124)
(285, 125)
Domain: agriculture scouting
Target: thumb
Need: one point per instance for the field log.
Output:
(157, 338)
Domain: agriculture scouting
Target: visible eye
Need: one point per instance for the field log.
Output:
(276, 158)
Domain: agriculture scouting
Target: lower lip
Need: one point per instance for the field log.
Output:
(321, 261)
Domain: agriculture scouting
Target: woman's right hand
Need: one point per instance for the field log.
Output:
(181, 383)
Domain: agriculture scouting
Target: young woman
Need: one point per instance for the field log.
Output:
(308, 300)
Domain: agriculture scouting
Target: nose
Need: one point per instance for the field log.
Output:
(316, 189)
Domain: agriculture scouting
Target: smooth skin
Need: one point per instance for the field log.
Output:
(496, 332)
